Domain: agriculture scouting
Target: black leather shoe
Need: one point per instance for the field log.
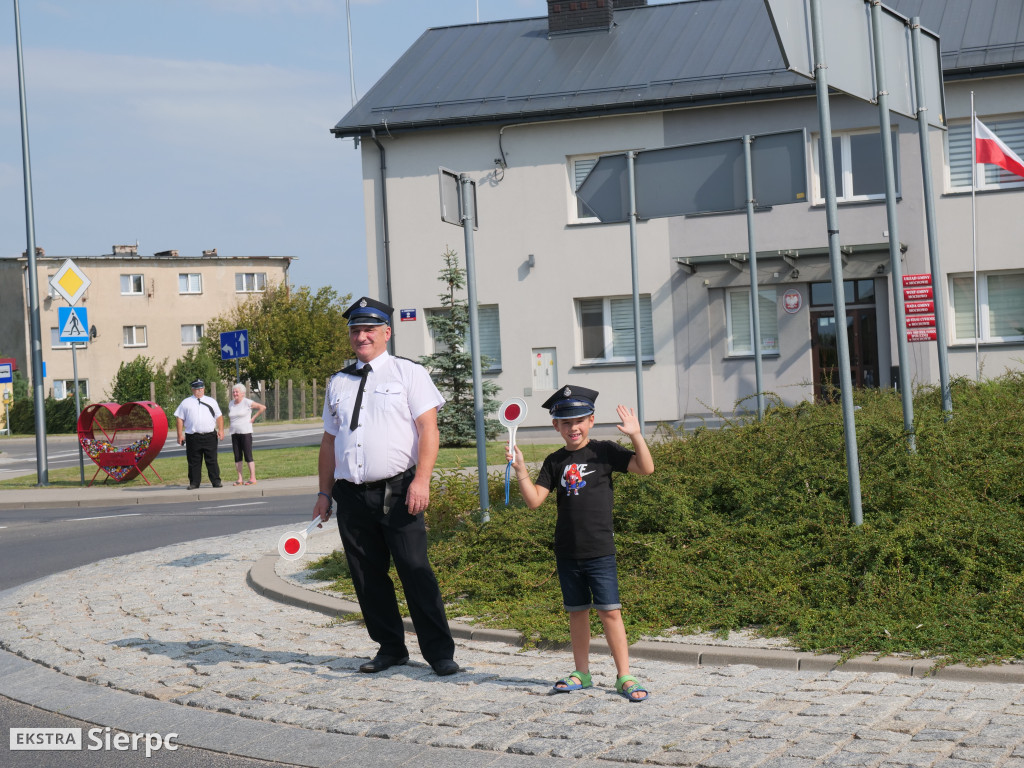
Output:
(217, 485)
(192, 487)
(444, 667)
(382, 661)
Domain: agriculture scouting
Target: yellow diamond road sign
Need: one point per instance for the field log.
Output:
(70, 282)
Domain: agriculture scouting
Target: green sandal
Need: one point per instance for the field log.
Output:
(634, 688)
(565, 686)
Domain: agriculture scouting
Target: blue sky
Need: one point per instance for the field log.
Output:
(197, 124)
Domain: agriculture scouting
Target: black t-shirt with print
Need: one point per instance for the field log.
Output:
(583, 481)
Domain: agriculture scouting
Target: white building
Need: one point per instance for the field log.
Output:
(526, 106)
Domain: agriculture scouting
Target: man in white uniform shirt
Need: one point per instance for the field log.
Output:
(200, 425)
(377, 454)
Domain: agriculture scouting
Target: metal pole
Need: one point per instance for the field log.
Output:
(42, 468)
(941, 330)
(895, 257)
(351, 65)
(836, 264)
(78, 410)
(755, 308)
(974, 246)
(468, 218)
(637, 347)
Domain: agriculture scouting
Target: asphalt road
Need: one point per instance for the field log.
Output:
(37, 543)
(18, 455)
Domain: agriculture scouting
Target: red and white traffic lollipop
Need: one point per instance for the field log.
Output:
(292, 545)
(511, 415)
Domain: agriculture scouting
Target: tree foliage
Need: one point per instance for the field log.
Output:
(451, 366)
(293, 333)
(131, 383)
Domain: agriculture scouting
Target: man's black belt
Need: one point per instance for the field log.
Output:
(378, 484)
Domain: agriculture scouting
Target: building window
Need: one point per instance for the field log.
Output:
(191, 334)
(958, 139)
(191, 282)
(250, 282)
(739, 321)
(131, 285)
(1000, 305)
(490, 335)
(606, 330)
(579, 167)
(857, 161)
(55, 342)
(63, 388)
(134, 335)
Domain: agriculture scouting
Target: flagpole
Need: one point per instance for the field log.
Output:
(974, 242)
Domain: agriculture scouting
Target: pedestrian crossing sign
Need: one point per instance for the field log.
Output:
(73, 323)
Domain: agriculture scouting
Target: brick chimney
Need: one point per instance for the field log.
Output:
(125, 250)
(210, 253)
(170, 254)
(579, 15)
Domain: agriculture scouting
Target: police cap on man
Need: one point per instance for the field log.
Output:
(367, 311)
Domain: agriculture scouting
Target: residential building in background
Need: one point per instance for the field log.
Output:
(156, 306)
(526, 107)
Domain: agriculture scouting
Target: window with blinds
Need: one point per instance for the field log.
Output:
(606, 329)
(490, 335)
(740, 321)
(1000, 307)
(958, 148)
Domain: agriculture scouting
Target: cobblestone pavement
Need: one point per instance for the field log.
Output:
(180, 624)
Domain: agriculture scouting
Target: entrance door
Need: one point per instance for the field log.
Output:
(862, 332)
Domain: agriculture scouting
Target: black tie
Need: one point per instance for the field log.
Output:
(362, 373)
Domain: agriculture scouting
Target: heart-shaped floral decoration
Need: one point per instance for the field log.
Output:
(122, 439)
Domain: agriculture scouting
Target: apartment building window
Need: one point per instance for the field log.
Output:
(857, 162)
(191, 282)
(134, 335)
(55, 342)
(958, 147)
(250, 282)
(579, 167)
(63, 388)
(606, 330)
(191, 334)
(131, 285)
(739, 321)
(1000, 306)
(490, 335)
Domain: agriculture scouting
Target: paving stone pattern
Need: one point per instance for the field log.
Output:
(180, 624)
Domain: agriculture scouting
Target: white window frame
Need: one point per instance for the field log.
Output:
(739, 321)
(961, 289)
(845, 177)
(130, 336)
(958, 154)
(250, 282)
(576, 176)
(620, 307)
(135, 283)
(185, 286)
(65, 388)
(489, 333)
(197, 330)
(55, 342)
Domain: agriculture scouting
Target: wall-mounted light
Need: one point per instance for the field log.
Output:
(880, 269)
(93, 333)
(795, 274)
(531, 262)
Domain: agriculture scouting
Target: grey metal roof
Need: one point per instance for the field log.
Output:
(655, 56)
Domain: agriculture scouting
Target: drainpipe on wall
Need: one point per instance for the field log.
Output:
(384, 216)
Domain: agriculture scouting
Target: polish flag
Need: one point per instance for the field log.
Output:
(990, 149)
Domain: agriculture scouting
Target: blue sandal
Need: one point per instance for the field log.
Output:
(634, 688)
(565, 685)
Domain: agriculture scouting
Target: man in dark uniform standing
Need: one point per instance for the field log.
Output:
(377, 454)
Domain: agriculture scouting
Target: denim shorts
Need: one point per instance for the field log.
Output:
(590, 583)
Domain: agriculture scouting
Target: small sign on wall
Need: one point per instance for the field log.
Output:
(407, 314)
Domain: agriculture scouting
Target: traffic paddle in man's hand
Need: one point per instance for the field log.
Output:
(511, 416)
(292, 545)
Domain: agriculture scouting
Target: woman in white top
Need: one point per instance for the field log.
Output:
(240, 413)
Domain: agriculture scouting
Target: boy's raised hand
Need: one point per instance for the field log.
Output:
(630, 424)
(518, 462)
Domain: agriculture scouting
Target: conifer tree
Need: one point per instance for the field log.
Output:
(451, 365)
